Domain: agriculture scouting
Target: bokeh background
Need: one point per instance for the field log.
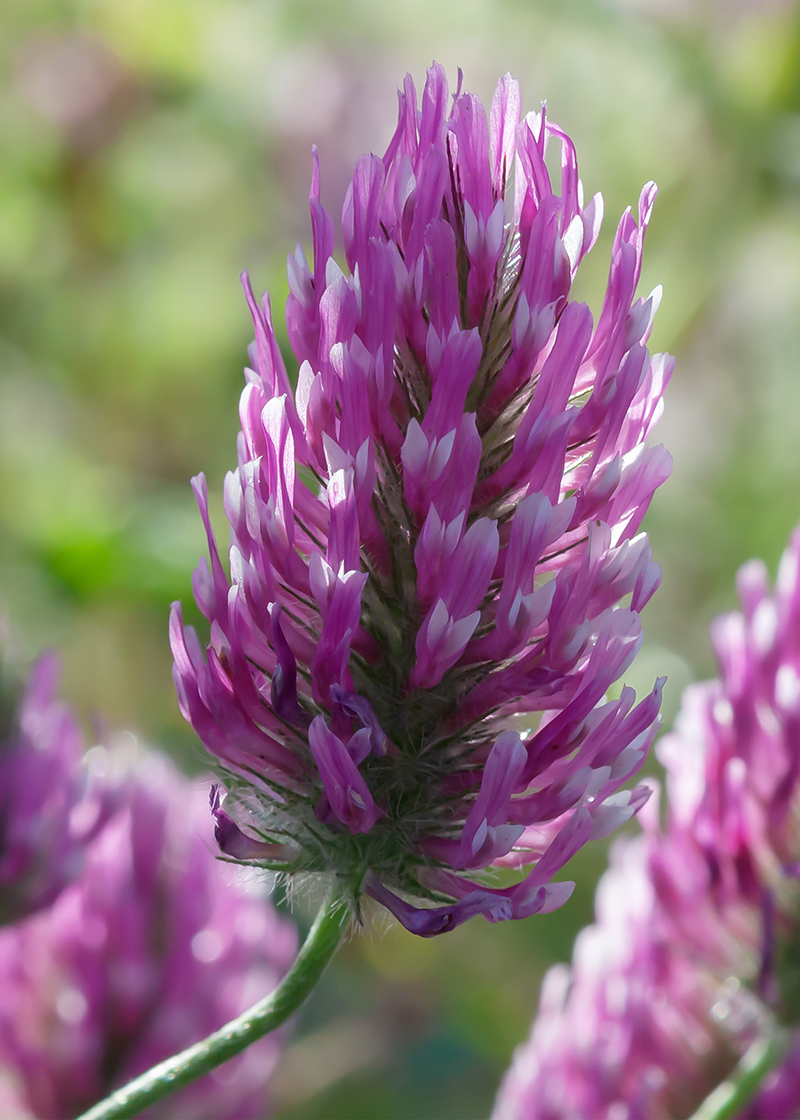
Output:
(152, 149)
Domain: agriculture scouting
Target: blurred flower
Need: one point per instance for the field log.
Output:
(152, 949)
(49, 808)
(655, 1013)
(779, 1092)
(77, 83)
(435, 533)
(636, 1028)
(306, 91)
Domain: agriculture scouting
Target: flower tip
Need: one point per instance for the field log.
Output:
(200, 486)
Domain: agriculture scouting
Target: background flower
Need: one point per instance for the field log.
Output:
(50, 809)
(155, 946)
(655, 1011)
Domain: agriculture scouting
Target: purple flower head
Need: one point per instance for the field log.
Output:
(723, 899)
(150, 950)
(434, 538)
(733, 779)
(634, 1028)
(49, 808)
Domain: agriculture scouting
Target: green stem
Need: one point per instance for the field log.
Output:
(732, 1095)
(163, 1079)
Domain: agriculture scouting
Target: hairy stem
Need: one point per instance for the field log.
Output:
(165, 1078)
(729, 1098)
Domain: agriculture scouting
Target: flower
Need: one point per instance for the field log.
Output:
(722, 899)
(150, 950)
(49, 809)
(637, 1026)
(433, 536)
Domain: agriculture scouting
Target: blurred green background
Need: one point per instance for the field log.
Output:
(149, 151)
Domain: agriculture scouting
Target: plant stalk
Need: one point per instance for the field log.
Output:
(729, 1098)
(265, 1016)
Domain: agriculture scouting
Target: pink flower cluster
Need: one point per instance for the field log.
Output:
(434, 537)
(49, 808)
(147, 952)
(626, 1033)
(655, 1012)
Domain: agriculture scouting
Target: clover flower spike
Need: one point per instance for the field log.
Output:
(720, 877)
(435, 537)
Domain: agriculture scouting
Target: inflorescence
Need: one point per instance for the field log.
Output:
(434, 538)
